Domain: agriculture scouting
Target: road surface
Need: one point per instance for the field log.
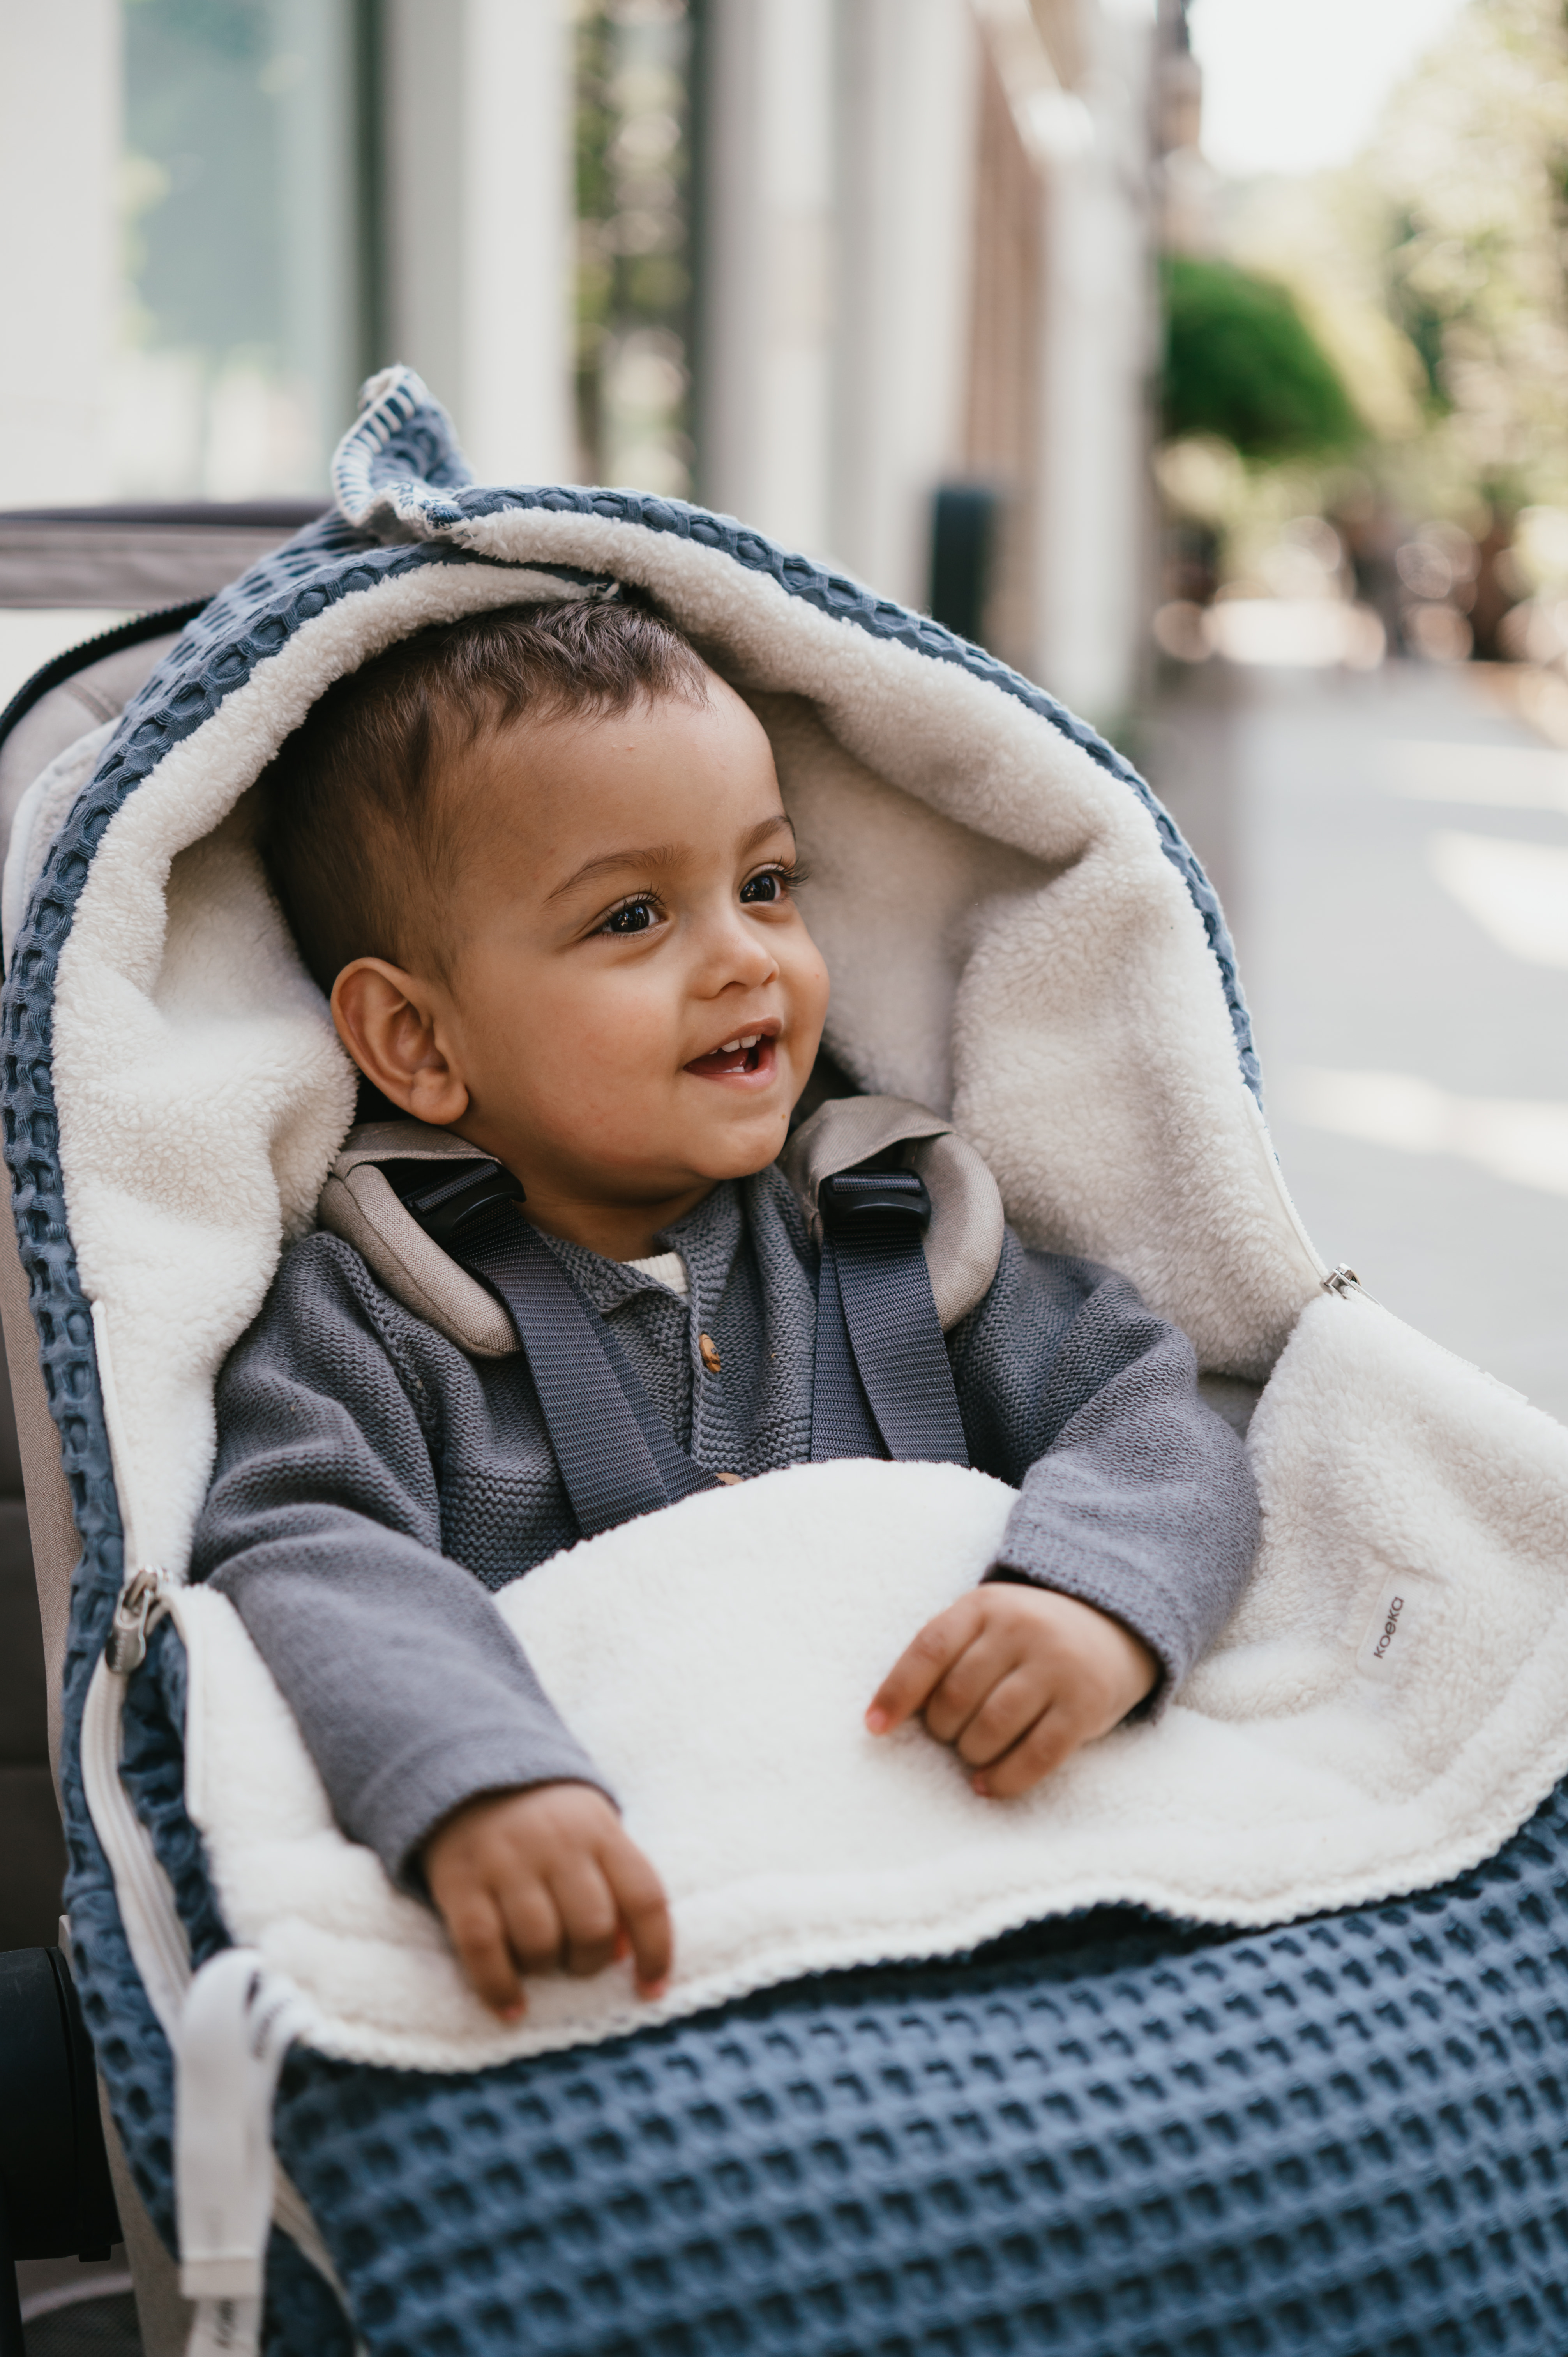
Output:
(1392, 853)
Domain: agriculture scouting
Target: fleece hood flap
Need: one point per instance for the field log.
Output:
(1019, 941)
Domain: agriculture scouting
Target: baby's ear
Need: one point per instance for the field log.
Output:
(388, 1021)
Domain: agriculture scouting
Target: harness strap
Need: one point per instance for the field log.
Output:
(884, 1382)
(883, 1385)
(615, 1455)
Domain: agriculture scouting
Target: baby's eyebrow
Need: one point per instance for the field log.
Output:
(658, 855)
(662, 855)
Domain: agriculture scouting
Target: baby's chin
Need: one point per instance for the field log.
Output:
(742, 1162)
(739, 1148)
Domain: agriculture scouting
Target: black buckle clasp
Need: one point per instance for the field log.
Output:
(849, 1197)
(445, 1205)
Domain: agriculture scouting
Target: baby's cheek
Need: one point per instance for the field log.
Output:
(595, 1058)
(806, 972)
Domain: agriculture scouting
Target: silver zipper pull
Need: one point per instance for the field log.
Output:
(141, 1603)
(1342, 1280)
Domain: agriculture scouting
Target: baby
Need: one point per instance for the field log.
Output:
(540, 861)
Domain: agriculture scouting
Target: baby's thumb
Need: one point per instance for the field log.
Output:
(914, 1675)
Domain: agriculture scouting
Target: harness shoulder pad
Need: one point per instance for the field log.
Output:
(962, 1245)
(964, 1242)
(358, 1203)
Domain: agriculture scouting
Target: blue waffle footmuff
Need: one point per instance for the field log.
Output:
(1245, 2033)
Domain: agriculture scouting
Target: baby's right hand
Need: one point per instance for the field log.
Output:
(529, 1881)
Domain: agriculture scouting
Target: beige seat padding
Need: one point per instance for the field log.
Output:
(99, 692)
(963, 1243)
(50, 1522)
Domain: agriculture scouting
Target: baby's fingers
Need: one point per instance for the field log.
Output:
(478, 1934)
(639, 1899)
(589, 1922)
(532, 1922)
(922, 1665)
(1053, 1737)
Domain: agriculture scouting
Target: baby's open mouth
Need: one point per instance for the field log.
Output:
(747, 1057)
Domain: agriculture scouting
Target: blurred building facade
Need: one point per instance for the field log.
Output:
(812, 262)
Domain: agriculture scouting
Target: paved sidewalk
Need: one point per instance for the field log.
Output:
(1392, 852)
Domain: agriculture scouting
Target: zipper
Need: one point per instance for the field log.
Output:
(154, 1931)
(1341, 1280)
(152, 1928)
(144, 1598)
(1315, 1261)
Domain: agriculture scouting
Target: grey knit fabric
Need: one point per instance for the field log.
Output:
(371, 1478)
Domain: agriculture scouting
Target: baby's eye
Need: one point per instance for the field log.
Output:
(632, 916)
(771, 886)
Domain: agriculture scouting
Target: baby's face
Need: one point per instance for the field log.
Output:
(634, 1003)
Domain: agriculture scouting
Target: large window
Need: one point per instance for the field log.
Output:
(245, 323)
(254, 235)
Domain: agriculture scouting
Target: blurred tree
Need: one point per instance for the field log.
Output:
(1470, 170)
(1242, 364)
(636, 63)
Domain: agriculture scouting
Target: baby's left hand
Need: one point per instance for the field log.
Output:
(1015, 1678)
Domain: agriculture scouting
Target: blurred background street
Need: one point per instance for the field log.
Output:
(1377, 841)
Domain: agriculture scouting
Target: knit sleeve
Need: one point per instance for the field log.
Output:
(323, 1528)
(1135, 1497)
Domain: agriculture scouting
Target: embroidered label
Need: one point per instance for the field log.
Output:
(1387, 1641)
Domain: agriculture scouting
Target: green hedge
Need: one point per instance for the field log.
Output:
(1240, 362)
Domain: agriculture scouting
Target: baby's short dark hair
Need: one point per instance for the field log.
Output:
(360, 853)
